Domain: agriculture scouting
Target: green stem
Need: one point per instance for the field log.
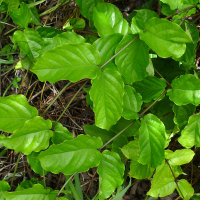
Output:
(73, 189)
(35, 3)
(15, 170)
(55, 98)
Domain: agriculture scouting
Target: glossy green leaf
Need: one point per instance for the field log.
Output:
(182, 114)
(185, 189)
(111, 171)
(67, 62)
(77, 155)
(86, 7)
(33, 136)
(150, 88)
(37, 192)
(190, 135)
(108, 20)
(60, 134)
(170, 42)
(15, 110)
(151, 141)
(132, 61)
(132, 103)
(34, 162)
(106, 46)
(179, 157)
(107, 95)
(188, 87)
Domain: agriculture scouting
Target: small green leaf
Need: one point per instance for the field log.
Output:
(132, 61)
(151, 141)
(111, 171)
(67, 62)
(132, 103)
(150, 88)
(108, 20)
(188, 88)
(170, 42)
(186, 189)
(107, 95)
(190, 135)
(33, 136)
(15, 110)
(179, 157)
(77, 155)
(4, 186)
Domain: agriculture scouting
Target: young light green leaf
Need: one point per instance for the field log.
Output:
(170, 42)
(132, 103)
(108, 20)
(150, 88)
(151, 141)
(37, 192)
(33, 136)
(186, 189)
(111, 171)
(179, 157)
(107, 95)
(68, 62)
(15, 110)
(133, 61)
(190, 135)
(182, 114)
(188, 88)
(77, 155)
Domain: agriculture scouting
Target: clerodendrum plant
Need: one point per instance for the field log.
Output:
(137, 111)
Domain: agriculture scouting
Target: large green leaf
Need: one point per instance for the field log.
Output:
(179, 157)
(108, 20)
(182, 114)
(15, 110)
(33, 136)
(190, 135)
(77, 155)
(132, 103)
(188, 88)
(111, 171)
(152, 141)
(133, 61)
(86, 7)
(107, 95)
(167, 43)
(185, 189)
(68, 62)
(37, 192)
(150, 88)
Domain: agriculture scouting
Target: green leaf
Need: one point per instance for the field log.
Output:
(163, 183)
(48, 31)
(107, 95)
(151, 141)
(34, 162)
(111, 171)
(60, 134)
(33, 136)
(13, 5)
(179, 157)
(132, 62)
(68, 62)
(34, 193)
(182, 114)
(106, 46)
(186, 189)
(86, 7)
(150, 88)
(188, 88)
(170, 42)
(4, 186)
(77, 155)
(108, 20)
(132, 103)
(15, 110)
(190, 135)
